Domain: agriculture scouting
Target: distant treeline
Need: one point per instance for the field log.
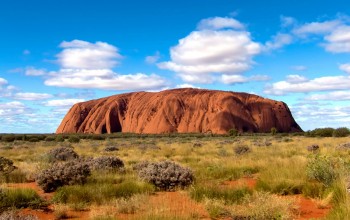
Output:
(74, 138)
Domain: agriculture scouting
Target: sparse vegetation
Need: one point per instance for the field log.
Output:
(251, 176)
(61, 174)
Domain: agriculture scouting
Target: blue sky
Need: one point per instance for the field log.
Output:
(56, 53)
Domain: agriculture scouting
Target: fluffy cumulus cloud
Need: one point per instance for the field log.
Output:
(30, 96)
(300, 84)
(89, 65)
(78, 54)
(3, 81)
(218, 46)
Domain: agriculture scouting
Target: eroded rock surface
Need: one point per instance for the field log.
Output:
(179, 110)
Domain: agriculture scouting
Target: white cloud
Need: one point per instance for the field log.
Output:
(3, 81)
(326, 83)
(62, 102)
(87, 65)
(212, 51)
(296, 79)
(339, 40)
(278, 41)
(78, 54)
(234, 79)
(345, 67)
(313, 115)
(104, 79)
(287, 21)
(30, 96)
(332, 96)
(217, 23)
(31, 71)
(186, 85)
(12, 108)
(153, 59)
(317, 27)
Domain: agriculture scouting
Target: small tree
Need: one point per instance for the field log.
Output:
(341, 132)
(273, 131)
(232, 132)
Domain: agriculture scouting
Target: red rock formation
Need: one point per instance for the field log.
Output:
(179, 110)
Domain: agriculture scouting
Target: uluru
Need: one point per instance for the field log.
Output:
(179, 111)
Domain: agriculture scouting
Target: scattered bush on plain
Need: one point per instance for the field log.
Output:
(60, 174)
(107, 163)
(62, 154)
(241, 149)
(165, 175)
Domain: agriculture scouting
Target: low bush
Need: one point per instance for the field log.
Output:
(313, 148)
(60, 174)
(15, 215)
(59, 138)
(6, 166)
(321, 132)
(322, 169)
(8, 138)
(73, 139)
(166, 175)
(62, 154)
(111, 148)
(107, 163)
(241, 149)
(50, 138)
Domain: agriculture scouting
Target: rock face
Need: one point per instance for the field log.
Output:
(179, 110)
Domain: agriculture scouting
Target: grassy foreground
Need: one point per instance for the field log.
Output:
(282, 166)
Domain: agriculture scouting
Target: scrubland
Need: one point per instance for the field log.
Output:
(177, 177)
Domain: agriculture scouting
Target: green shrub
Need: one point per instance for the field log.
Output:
(341, 132)
(273, 131)
(33, 139)
(322, 169)
(73, 139)
(321, 132)
(232, 132)
(59, 138)
(8, 138)
(50, 138)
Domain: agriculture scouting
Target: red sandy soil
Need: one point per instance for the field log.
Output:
(249, 182)
(308, 208)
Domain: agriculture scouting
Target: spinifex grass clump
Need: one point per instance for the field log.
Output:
(107, 163)
(241, 149)
(19, 198)
(166, 175)
(60, 174)
(62, 154)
